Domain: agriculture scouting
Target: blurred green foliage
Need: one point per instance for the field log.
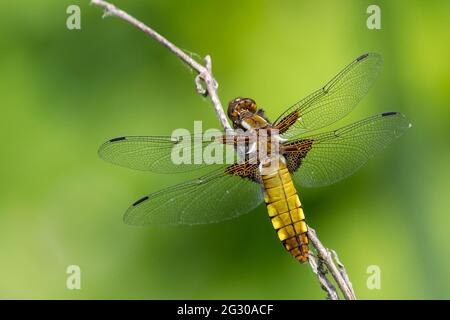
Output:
(64, 92)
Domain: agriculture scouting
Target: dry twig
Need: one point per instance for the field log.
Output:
(338, 273)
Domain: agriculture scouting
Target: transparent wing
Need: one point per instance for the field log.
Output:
(166, 154)
(335, 100)
(214, 197)
(335, 155)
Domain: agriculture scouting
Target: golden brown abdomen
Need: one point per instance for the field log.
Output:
(285, 211)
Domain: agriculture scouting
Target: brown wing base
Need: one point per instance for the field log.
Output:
(295, 151)
(245, 170)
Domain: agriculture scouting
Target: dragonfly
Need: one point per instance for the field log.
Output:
(304, 158)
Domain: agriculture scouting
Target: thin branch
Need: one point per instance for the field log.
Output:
(204, 72)
(338, 274)
(206, 85)
(325, 283)
(342, 270)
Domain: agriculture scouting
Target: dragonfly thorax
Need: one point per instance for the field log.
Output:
(259, 140)
(259, 146)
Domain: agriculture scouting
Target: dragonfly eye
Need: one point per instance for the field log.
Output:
(248, 105)
(239, 105)
(239, 109)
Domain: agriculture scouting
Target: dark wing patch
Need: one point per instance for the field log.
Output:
(245, 170)
(284, 124)
(295, 151)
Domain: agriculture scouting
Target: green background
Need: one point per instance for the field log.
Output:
(64, 92)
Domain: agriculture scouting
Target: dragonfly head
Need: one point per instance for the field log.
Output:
(244, 114)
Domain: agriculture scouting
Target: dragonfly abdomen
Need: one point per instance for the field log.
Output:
(285, 211)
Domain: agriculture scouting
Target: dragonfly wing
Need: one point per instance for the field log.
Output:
(334, 101)
(214, 197)
(326, 158)
(163, 154)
